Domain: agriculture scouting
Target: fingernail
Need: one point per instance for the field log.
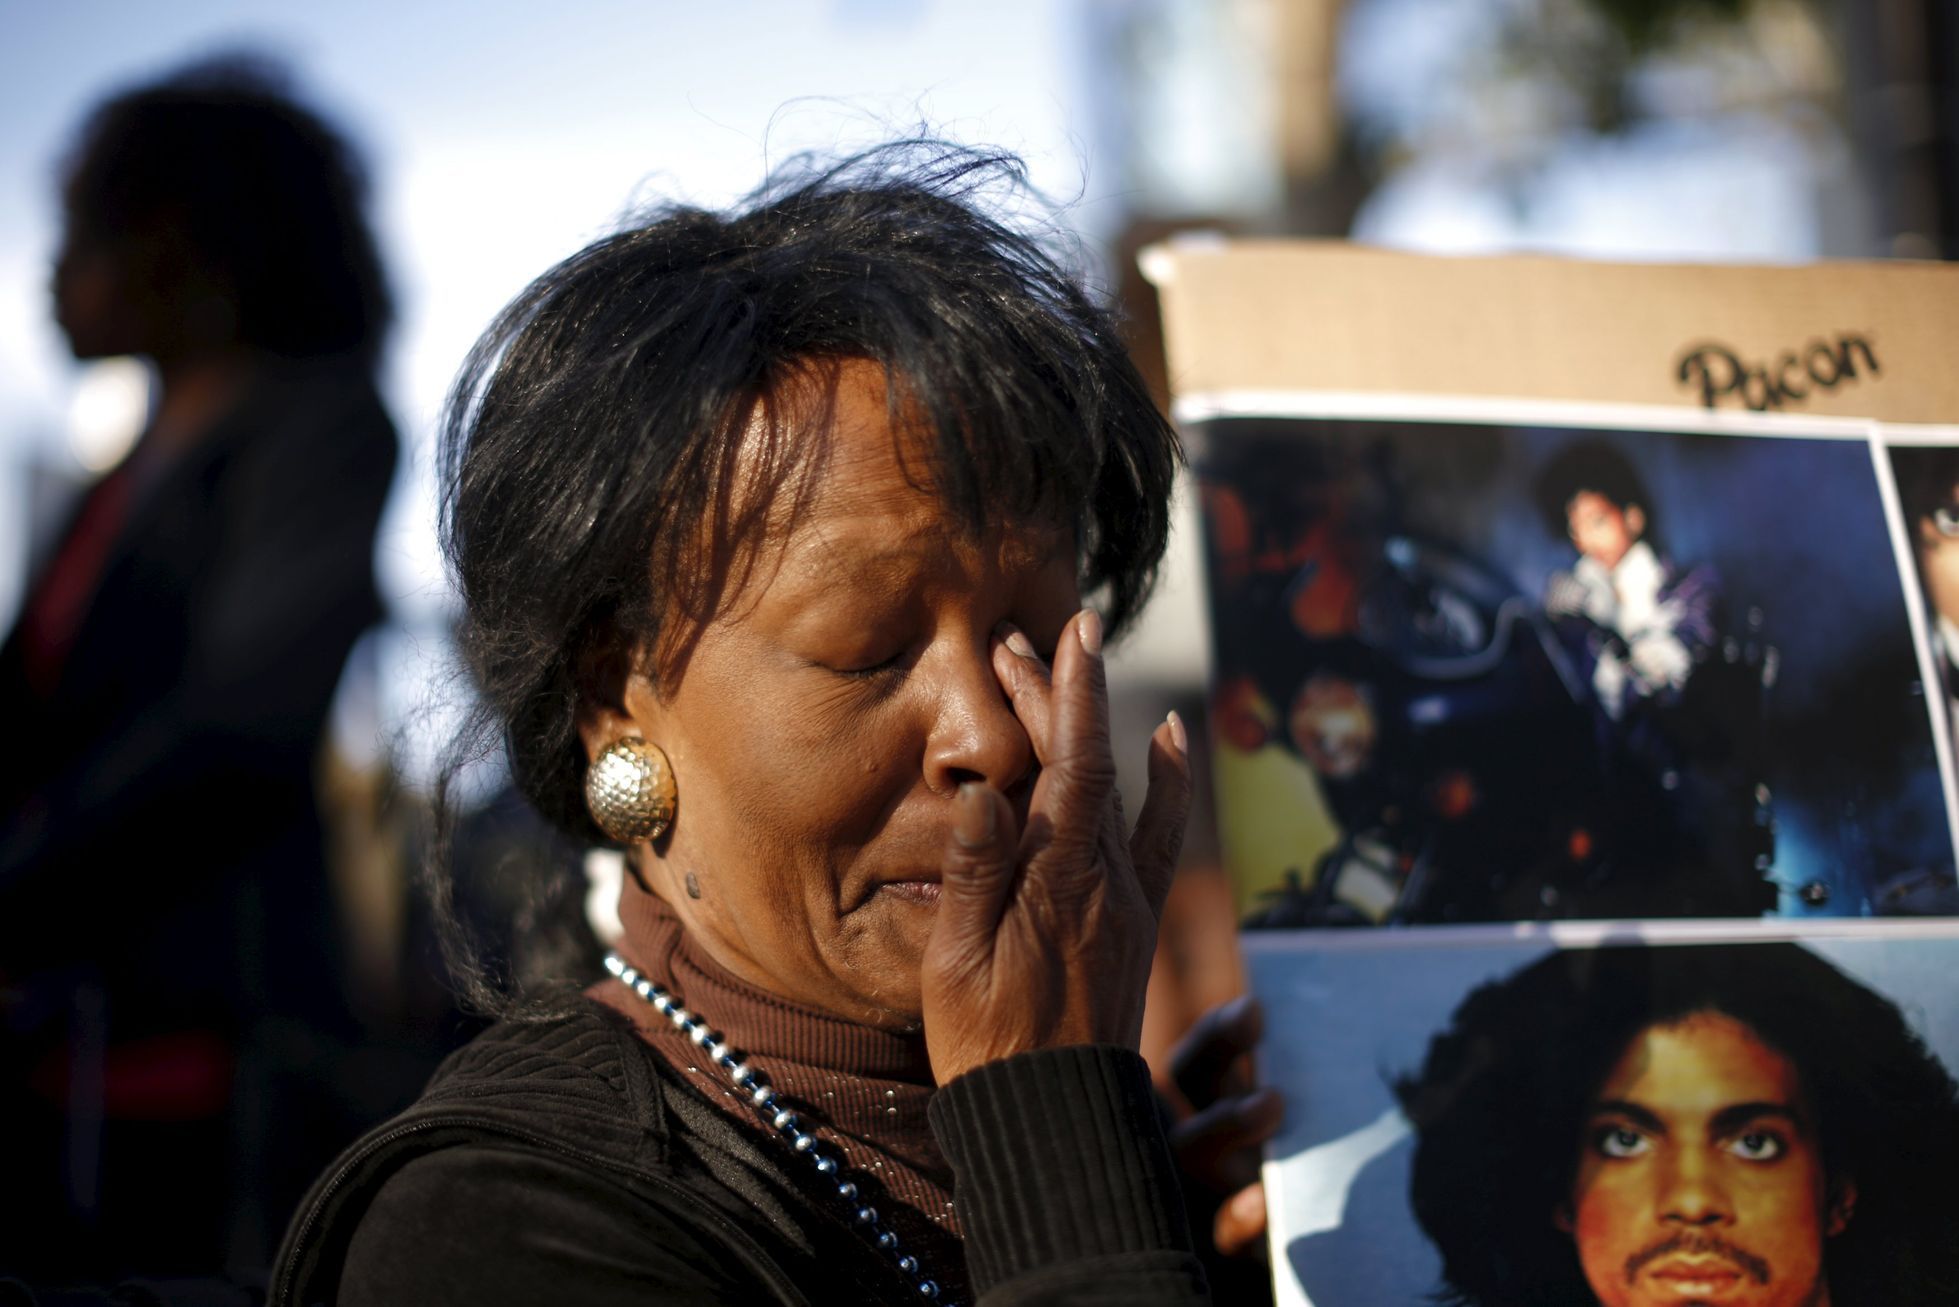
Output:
(1178, 736)
(1016, 641)
(1089, 628)
(974, 826)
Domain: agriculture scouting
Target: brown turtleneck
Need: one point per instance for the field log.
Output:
(528, 1173)
(863, 1091)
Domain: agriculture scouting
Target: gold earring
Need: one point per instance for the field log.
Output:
(629, 791)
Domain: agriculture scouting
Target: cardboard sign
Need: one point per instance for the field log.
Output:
(1868, 340)
(1584, 649)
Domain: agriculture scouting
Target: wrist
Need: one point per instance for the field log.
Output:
(1038, 1139)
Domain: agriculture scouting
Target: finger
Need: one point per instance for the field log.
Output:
(1159, 835)
(1241, 1222)
(1201, 1064)
(977, 870)
(1076, 781)
(1028, 684)
(1218, 1147)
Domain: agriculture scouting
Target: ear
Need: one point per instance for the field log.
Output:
(616, 700)
(1843, 1205)
(1635, 521)
(1562, 1219)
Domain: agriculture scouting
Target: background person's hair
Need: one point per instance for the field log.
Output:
(592, 493)
(1499, 1109)
(1598, 466)
(261, 197)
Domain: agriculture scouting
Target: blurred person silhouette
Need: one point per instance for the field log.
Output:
(168, 978)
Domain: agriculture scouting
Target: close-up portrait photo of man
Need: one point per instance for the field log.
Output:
(1690, 1124)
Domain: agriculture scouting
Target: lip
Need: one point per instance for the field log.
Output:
(1696, 1276)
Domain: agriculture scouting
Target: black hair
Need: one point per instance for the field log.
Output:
(263, 198)
(1500, 1102)
(1594, 465)
(589, 449)
(1928, 480)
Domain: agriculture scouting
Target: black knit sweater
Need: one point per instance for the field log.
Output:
(566, 1162)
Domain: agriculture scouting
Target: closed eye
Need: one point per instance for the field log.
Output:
(881, 676)
(892, 664)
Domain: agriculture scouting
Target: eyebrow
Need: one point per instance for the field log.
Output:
(1643, 1117)
(1730, 1119)
(1726, 1121)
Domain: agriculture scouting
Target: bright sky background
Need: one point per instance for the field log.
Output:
(504, 136)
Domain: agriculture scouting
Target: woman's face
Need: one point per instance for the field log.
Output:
(97, 302)
(137, 287)
(824, 719)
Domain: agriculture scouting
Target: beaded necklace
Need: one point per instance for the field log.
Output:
(786, 1123)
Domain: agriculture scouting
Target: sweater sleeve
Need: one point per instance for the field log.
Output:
(482, 1226)
(1064, 1182)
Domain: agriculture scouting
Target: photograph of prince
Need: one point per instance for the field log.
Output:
(1716, 1124)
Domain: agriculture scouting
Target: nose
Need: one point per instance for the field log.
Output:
(1692, 1192)
(975, 735)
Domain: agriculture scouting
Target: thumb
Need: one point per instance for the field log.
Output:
(978, 867)
(1159, 833)
(1241, 1221)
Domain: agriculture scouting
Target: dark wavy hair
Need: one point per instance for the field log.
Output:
(589, 450)
(1595, 465)
(266, 199)
(1500, 1103)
